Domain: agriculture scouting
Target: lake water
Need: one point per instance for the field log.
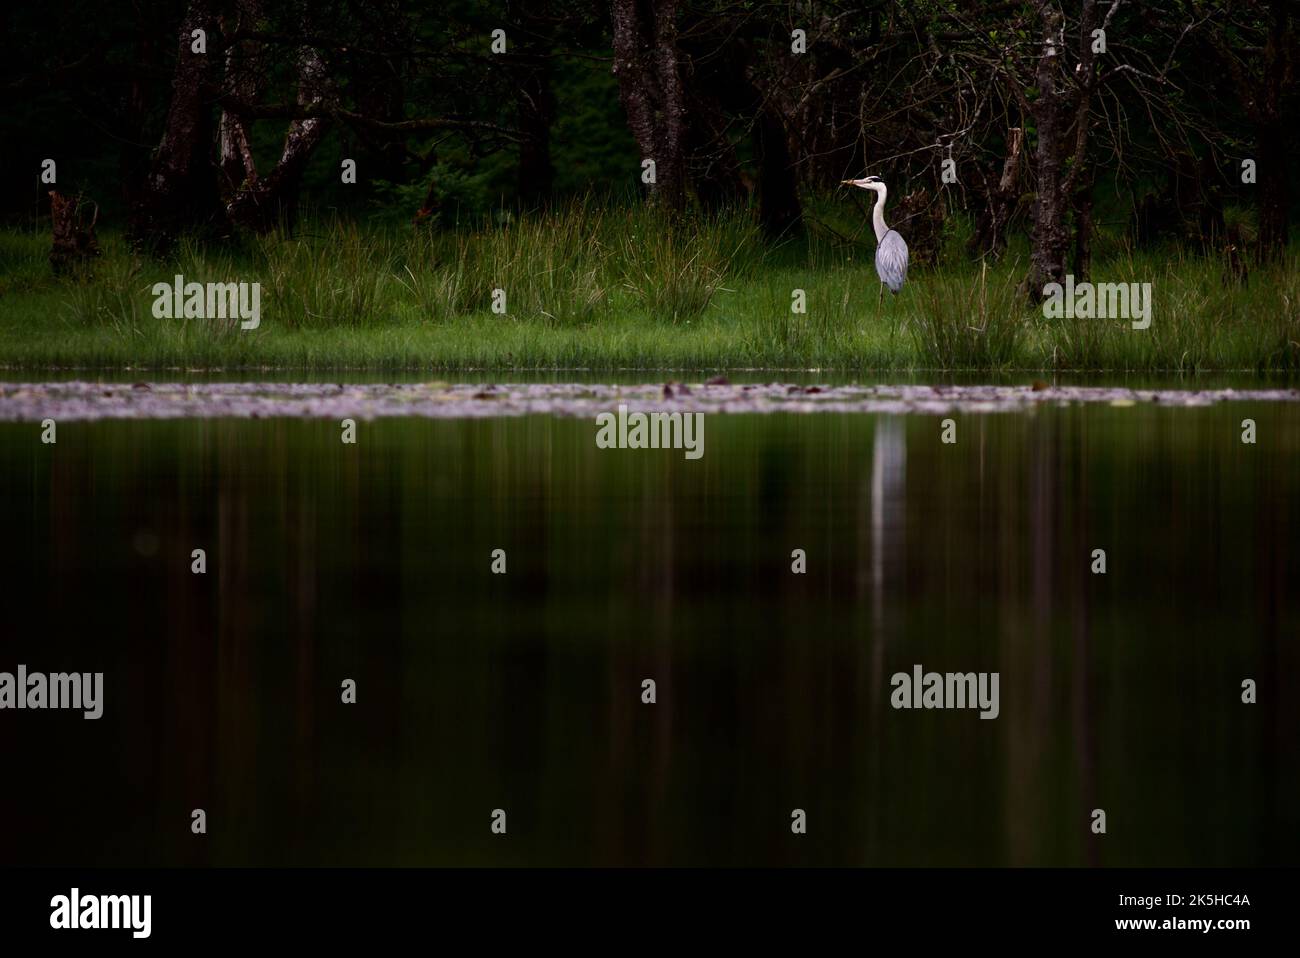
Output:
(523, 691)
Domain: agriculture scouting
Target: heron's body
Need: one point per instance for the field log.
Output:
(891, 261)
(891, 249)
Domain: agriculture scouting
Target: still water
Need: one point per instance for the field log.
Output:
(523, 692)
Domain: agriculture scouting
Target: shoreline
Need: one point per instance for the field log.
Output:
(78, 401)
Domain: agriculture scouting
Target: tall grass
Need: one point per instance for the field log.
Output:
(600, 287)
(108, 294)
(547, 269)
(1202, 318)
(970, 322)
(673, 270)
(565, 268)
(24, 260)
(339, 279)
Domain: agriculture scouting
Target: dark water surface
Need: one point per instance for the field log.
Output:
(523, 691)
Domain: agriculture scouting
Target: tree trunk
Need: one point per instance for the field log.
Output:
(536, 106)
(263, 203)
(779, 210)
(1083, 231)
(1000, 201)
(245, 76)
(714, 167)
(1063, 112)
(134, 162)
(1050, 235)
(1274, 190)
(1263, 92)
(651, 91)
(180, 191)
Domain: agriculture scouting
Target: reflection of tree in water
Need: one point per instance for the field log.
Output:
(1081, 670)
(1044, 823)
(1028, 709)
(632, 819)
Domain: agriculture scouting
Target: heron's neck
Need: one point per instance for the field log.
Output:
(878, 215)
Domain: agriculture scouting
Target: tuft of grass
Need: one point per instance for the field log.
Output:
(969, 322)
(108, 293)
(24, 261)
(550, 269)
(328, 280)
(432, 276)
(673, 269)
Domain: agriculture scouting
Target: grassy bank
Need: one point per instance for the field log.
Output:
(595, 288)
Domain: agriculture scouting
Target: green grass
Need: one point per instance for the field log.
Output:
(589, 287)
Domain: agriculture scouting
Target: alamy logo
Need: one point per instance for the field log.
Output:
(182, 300)
(58, 690)
(75, 910)
(1100, 301)
(656, 430)
(947, 690)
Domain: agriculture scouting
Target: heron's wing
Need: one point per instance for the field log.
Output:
(891, 261)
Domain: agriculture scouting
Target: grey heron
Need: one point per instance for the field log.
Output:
(891, 249)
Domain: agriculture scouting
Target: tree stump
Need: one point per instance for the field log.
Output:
(74, 238)
(1000, 200)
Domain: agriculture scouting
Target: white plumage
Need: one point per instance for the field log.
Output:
(891, 249)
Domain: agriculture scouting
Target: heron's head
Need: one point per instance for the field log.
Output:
(866, 183)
